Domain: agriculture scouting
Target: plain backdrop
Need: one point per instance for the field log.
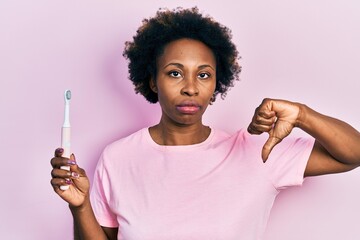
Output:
(305, 51)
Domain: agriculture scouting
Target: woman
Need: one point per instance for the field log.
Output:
(181, 179)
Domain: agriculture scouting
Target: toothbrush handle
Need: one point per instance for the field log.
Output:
(65, 144)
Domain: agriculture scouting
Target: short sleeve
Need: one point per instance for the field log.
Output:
(287, 162)
(100, 195)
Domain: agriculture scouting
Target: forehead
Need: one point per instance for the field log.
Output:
(188, 50)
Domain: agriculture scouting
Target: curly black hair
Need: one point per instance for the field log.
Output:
(170, 25)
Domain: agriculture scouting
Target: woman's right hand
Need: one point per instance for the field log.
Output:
(76, 179)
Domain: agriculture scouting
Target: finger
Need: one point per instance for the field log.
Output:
(60, 173)
(252, 130)
(59, 152)
(73, 167)
(76, 171)
(262, 121)
(259, 119)
(57, 182)
(268, 147)
(57, 162)
(262, 127)
(267, 114)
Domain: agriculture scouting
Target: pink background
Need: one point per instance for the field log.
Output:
(306, 51)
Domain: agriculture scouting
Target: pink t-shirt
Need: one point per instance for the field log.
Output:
(216, 190)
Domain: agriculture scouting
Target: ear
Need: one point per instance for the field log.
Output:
(153, 85)
(212, 99)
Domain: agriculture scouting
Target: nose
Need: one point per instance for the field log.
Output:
(190, 87)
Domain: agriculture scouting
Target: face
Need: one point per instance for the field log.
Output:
(185, 81)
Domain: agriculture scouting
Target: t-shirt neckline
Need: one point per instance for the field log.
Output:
(147, 136)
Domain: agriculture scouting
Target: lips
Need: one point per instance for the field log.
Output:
(188, 107)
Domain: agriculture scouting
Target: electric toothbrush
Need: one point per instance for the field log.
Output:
(66, 133)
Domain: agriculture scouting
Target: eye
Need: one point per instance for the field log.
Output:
(174, 74)
(204, 75)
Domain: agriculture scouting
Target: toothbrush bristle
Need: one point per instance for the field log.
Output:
(68, 94)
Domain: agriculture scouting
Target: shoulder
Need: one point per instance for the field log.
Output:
(128, 141)
(124, 146)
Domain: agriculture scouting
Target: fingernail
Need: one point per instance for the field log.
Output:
(72, 156)
(71, 162)
(60, 150)
(75, 175)
(68, 181)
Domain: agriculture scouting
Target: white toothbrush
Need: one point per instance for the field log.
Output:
(66, 133)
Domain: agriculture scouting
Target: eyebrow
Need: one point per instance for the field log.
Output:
(182, 66)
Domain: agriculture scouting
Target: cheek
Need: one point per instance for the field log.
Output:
(165, 95)
(214, 87)
(211, 88)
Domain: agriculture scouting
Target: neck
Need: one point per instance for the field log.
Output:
(164, 134)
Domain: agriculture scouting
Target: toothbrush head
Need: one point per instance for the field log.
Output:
(67, 95)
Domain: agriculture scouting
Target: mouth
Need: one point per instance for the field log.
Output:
(188, 108)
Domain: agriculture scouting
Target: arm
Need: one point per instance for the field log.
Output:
(337, 144)
(85, 223)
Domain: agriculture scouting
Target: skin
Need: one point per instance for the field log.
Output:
(185, 83)
(336, 148)
(85, 223)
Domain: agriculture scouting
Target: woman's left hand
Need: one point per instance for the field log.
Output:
(276, 117)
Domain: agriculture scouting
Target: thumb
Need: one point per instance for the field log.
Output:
(268, 147)
(74, 167)
(76, 171)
